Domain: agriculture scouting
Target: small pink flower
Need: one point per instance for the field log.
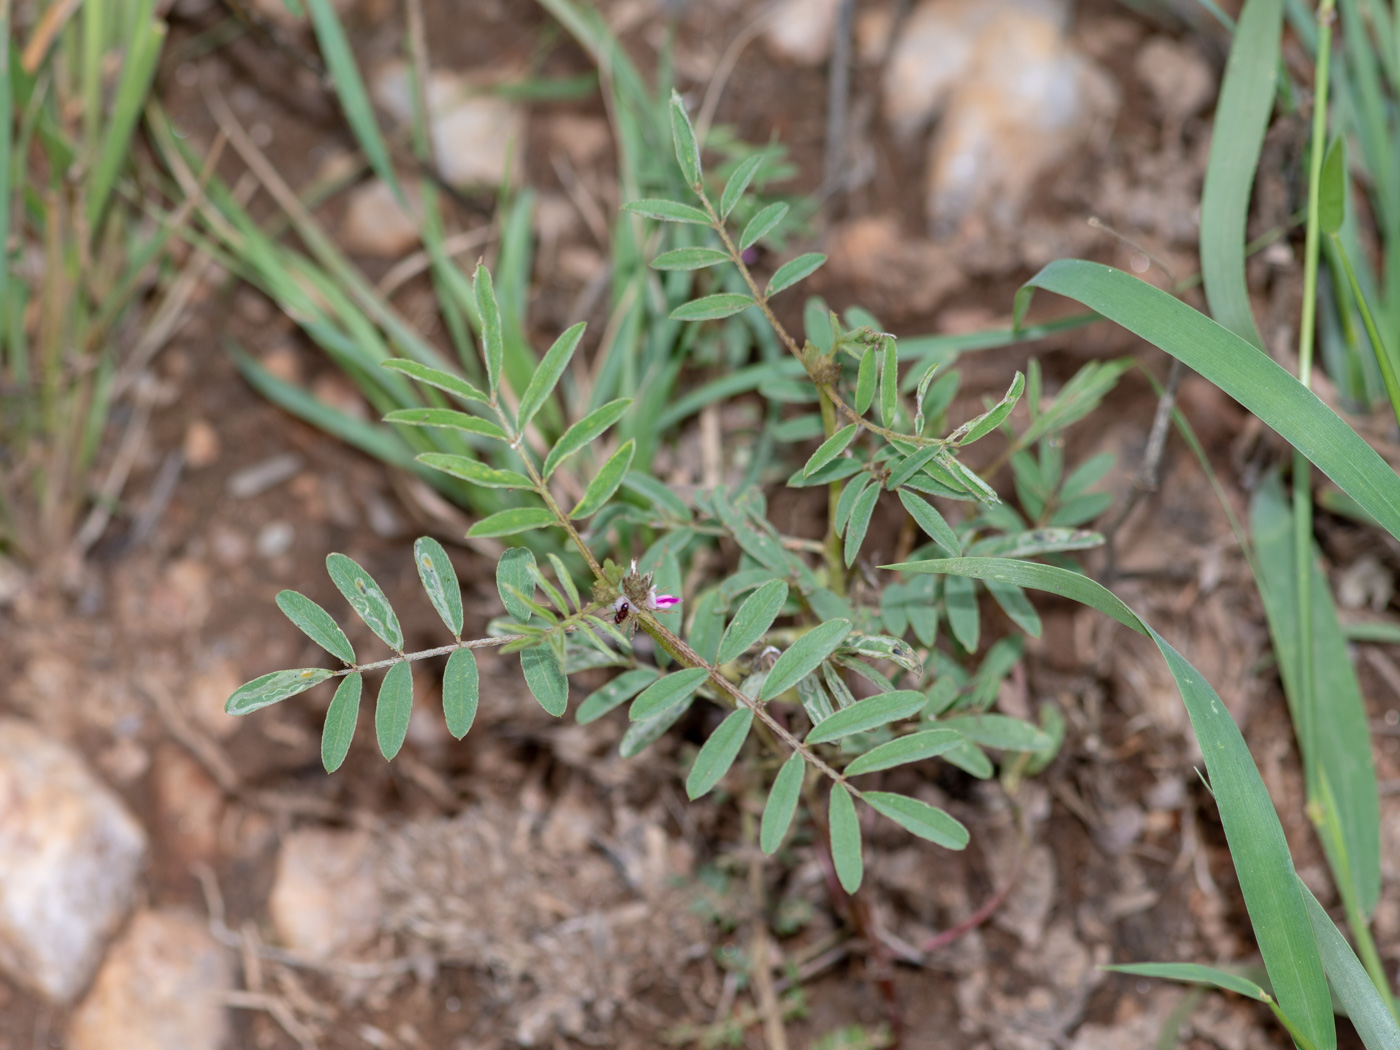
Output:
(661, 602)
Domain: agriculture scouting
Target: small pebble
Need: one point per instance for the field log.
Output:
(257, 479)
(376, 223)
(275, 539)
(201, 445)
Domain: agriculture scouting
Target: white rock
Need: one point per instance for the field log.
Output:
(376, 223)
(801, 30)
(477, 139)
(325, 897)
(162, 987)
(70, 854)
(1027, 102)
(939, 44)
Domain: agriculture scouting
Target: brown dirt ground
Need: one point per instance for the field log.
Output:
(133, 659)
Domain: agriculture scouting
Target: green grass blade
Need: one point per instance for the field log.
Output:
(132, 88)
(1241, 118)
(1232, 364)
(350, 88)
(1339, 743)
(1252, 829)
(1374, 1022)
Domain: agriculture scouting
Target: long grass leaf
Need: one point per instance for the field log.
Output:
(1250, 377)
(1252, 829)
(1241, 118)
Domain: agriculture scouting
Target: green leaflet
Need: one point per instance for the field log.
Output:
(844, 827)
(869, 713)
(719, 752)
(546, 377)
(516, 569)
(460, 692)
(753, 619)
(606, 481)
(339, 729)
(781, 805)
(367, 599)
(392, 709)
(316, 624)
(584, 431)
(545, 677)
(272, 688)
(928, 822)
(440, 581)
(803, 656)
(667, 693)
(510, 522)
(912, 748)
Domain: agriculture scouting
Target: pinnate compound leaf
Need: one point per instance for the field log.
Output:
(793, 271)
(753, 619)
(614, 694)
(367, 599)
(440, 581)
(845, 839)
(544, 674)
(445, 381)
(683, 138)
(606, 481)
(935, 526)
(449, 418)
(830, 449)
(738, 183)
(781, 805)
(762, 224)
(393, 708)
(711, 307)
(915, 747)
(476, 472)
(461, 691)
(271, 688)
(928, 822)
(339, 729)
(667, 211)
(509, 522)
(803, 656)
(869, 713)
(667, 693)
(493, 343)
(719, 752)
(515, 580)
(316, 624)
(584, 431)
(546, 377)
(688, 259)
